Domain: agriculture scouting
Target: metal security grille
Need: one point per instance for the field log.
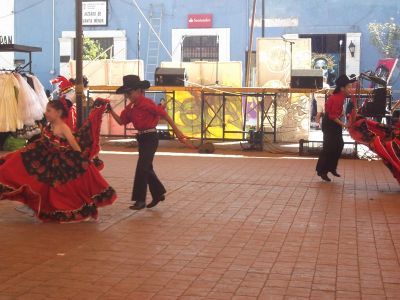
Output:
(200, 48)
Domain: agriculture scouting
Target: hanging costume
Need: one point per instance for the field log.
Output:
(56, 182)
(29, 104)
(10, 117)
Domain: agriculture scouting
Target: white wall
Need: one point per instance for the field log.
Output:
(6, 29)
(353, 63)
(67, 44)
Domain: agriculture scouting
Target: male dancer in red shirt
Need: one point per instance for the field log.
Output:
(144, 114)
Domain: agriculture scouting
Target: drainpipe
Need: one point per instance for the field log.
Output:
(249, 52)
(53, 66)
(263, 19)
(79, 66)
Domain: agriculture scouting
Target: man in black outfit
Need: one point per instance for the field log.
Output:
(332, 128)
(144, 114)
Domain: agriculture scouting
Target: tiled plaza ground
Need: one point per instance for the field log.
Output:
(232, 227)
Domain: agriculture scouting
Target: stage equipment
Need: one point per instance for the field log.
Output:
(373, 78)
(207, 148)
(308, 79)
(291, 43)
(375, 106)
(170, 77)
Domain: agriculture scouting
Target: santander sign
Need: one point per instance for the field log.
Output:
(200, 21)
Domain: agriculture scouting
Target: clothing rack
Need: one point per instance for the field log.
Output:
(22, 49)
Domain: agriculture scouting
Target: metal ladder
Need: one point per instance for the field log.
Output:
(153, 44)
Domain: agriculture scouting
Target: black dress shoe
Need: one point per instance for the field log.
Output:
(138, 206)
(324, 177)
(155, 201)
(334, 173)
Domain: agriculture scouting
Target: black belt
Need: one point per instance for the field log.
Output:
(151, 130)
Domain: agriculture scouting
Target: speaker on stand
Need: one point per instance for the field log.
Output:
(307, 79)
(170, 77)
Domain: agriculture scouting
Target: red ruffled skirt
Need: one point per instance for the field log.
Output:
(57, 183)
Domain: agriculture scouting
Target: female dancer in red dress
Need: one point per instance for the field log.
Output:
(55, 175)
(66, 92)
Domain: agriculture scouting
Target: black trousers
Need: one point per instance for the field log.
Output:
(145, 175)
(332, 146)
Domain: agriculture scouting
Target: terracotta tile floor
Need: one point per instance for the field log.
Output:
(232, 227)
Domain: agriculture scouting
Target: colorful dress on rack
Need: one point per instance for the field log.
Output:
(56, 182)
(29, 107)
(40, 92)
(9, 116)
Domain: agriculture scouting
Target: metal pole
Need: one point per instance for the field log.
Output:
(173, 108)
(217, 66)
(183, 39)
(202, 135)
(275, 114)
(340, 57)
(30, 62)
(79, 66)
(223, 116)
(291, 63)
(245, 117)
(250, 48)
(261, 130)
(53, 64)
(263, 19)
(138, 48)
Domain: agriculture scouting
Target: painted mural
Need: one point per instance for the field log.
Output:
(188, 114)
(329, 63)
(273, 64)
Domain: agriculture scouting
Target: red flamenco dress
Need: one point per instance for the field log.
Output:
(383, 139)
(56, 182)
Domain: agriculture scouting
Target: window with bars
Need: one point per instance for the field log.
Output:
(200, 48)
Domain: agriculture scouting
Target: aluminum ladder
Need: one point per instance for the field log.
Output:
(153, 44)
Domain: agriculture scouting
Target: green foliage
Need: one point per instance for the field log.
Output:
(92, 50)
(386, 38)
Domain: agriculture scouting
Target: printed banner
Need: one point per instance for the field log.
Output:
(273, 65)
(273, 61)
(188, 114)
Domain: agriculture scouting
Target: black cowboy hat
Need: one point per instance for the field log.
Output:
(132, 82)
(344, 80)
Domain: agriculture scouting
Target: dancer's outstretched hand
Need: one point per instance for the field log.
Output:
(184, 140)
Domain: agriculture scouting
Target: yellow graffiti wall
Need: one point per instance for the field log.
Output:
(188, 105)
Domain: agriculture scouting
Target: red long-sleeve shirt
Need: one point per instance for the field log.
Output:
(334, 105)
(144, 114)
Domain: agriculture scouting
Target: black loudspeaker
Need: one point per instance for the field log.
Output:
(307, 79)
(170, 77)
(376, 107)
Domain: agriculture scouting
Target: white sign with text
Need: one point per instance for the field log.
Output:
(94, 13)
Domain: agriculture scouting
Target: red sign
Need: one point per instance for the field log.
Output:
(385, 68)
(200, 21)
